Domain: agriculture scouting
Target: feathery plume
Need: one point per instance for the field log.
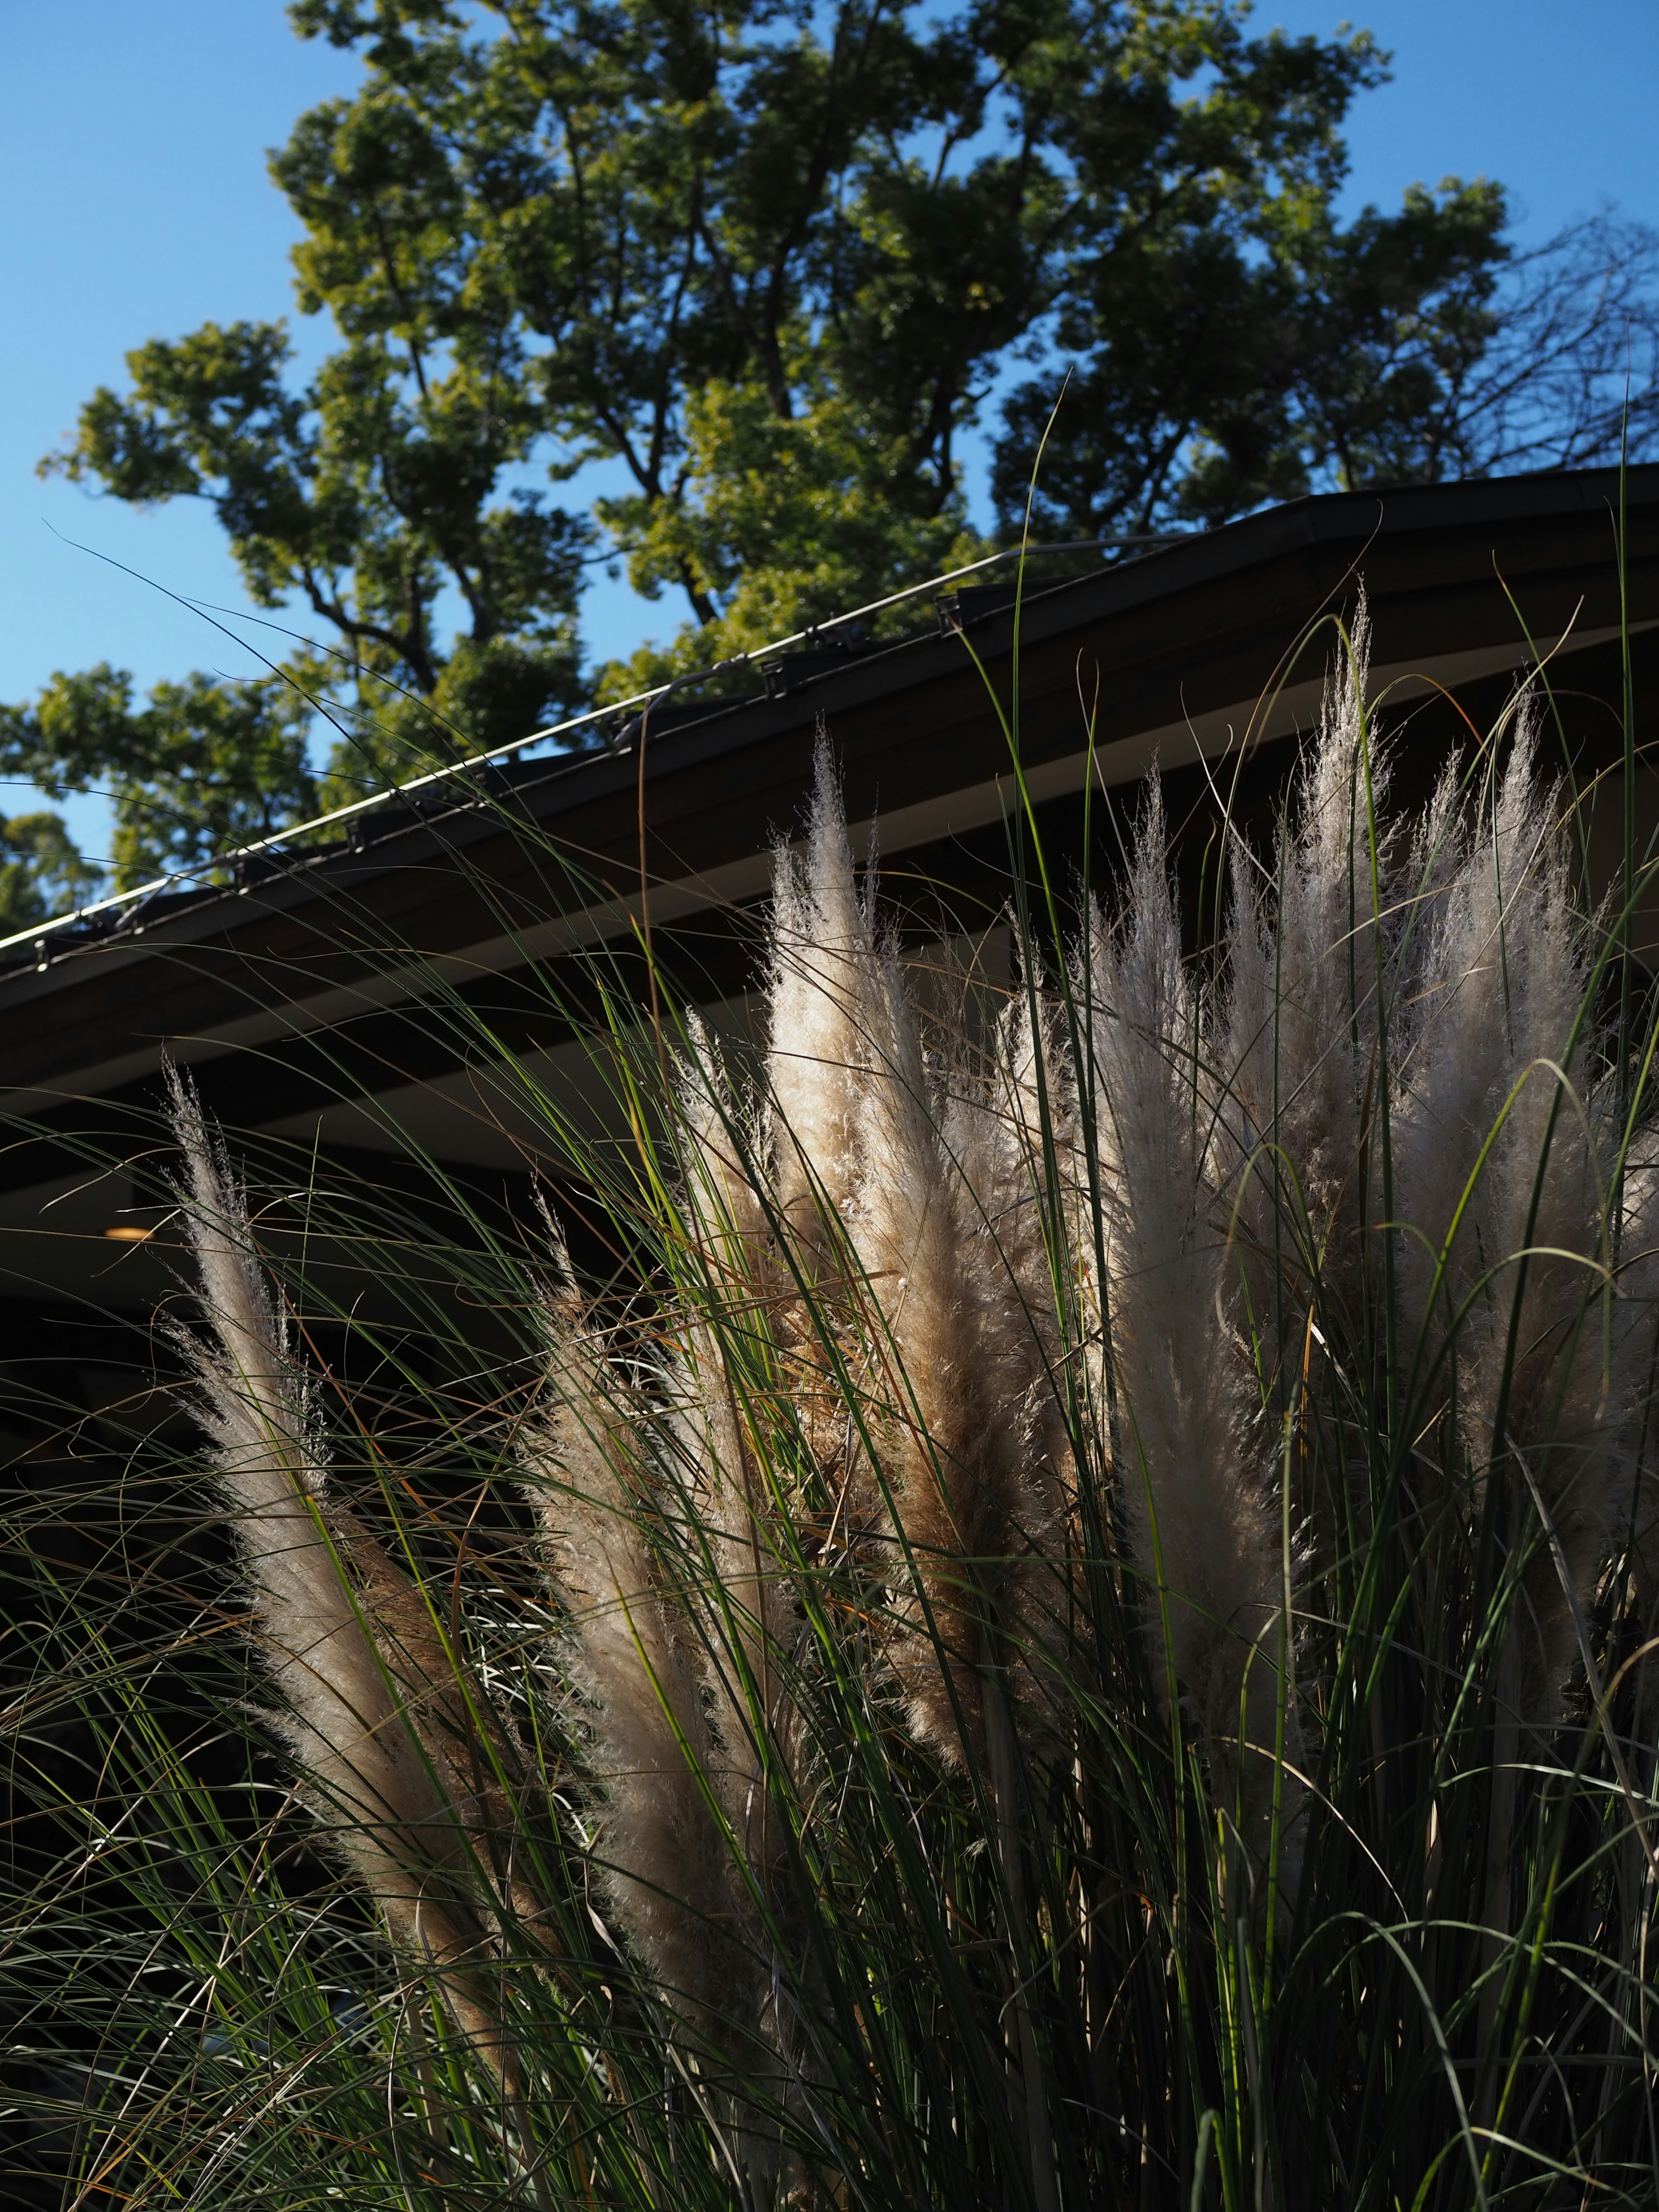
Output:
(1012, 1140)
(1197, 1483)
(906, 1235)
(963, 1323)
(400, 1758)
(743, 1592)
(820, 948)
(666, 1862)
(1295, 1046)
(1505, 1164)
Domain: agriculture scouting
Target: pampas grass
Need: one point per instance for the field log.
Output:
(1082, 1633)
(398, 1753)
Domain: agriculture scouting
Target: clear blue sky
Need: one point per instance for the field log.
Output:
(136, 204)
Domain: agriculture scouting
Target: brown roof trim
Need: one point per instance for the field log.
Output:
(1192, 629)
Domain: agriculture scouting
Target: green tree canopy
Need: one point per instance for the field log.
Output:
(206, 766)
(41, 873)
(769, 261)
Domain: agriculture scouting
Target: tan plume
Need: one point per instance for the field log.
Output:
(399, 1755)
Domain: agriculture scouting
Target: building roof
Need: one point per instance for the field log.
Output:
(308, 979)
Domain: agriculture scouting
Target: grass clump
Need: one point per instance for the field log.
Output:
(1079, 1627)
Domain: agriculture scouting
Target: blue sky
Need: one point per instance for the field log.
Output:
(137, 205)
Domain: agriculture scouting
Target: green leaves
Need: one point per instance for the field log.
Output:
(206, 766)
(373, 496)
(635, 203)
(1233, 342)
(208, 416)
(41, 873)
(822, 499)
(770, 261)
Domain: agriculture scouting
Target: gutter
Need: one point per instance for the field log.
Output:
(1163, 568)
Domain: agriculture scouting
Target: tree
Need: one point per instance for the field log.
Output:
(367, 497)
(1225, 363)
(41, 873)
(206, 766)
(770, 258)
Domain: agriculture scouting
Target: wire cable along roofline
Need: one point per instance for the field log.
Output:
(127, 903)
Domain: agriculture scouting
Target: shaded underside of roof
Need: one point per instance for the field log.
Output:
(313, 980)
